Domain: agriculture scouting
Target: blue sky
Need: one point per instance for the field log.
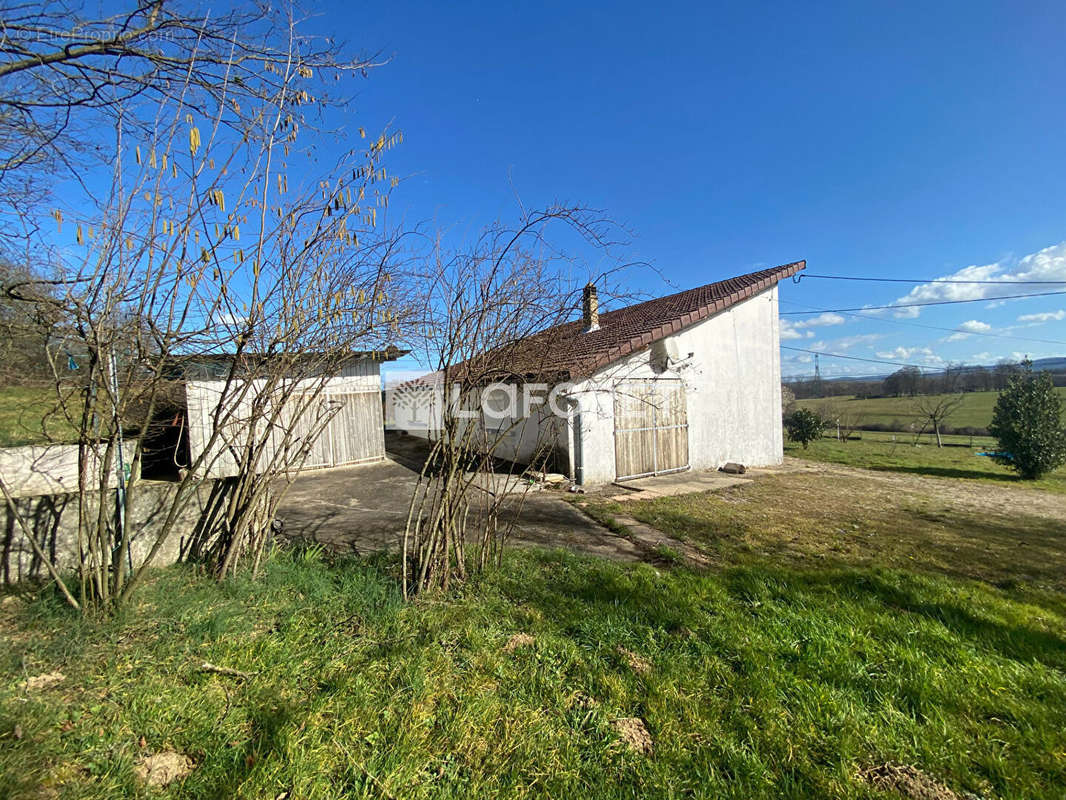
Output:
(890, 140)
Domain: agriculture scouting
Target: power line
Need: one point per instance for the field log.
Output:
(931, 327)
(800, 275)
(858, 358)
(930, 303)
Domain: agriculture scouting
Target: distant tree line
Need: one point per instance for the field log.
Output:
(912, 382)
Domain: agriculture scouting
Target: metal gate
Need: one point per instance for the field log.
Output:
(650, 428)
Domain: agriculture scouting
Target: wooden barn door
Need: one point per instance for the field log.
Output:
(650, 428)
(356, 429)
(304, 416)
(354, 433)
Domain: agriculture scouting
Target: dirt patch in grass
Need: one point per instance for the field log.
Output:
(638, 664)
(818, 514)
(634, 734)
(517, 641)
(163, 768)
(44, 681)
(907, 781)
(963, 495)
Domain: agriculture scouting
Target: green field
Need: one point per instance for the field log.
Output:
(28, 416)
(909, 613)
(975, 411)
(897, 453)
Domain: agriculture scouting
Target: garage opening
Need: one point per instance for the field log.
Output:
(650, 428)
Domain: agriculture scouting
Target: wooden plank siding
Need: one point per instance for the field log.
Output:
(356, 429)
(650, 428)
(354, 433)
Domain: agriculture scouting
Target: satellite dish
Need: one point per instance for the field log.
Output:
(664, 352)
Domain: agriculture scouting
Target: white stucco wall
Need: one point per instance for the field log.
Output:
(730, 366)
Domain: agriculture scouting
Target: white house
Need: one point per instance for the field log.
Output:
(687, 381)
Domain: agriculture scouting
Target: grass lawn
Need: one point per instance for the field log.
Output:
(849, 619)
(974, 412)
(773, 676)
(897, 453)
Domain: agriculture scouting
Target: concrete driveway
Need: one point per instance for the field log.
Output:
(364, 509)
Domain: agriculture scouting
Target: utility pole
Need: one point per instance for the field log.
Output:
(120, 458)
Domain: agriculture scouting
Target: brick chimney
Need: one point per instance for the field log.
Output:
(590, 308)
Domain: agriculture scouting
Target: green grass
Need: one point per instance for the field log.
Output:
(28, 416)
(768, 679)
(1001, 535)
(974, 412)
(897, 453)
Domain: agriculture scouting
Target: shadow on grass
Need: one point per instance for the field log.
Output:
(949, 472)
(569, 601)
(901, 593)
(271, 723)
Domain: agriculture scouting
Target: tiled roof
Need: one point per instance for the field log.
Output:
(568, 349)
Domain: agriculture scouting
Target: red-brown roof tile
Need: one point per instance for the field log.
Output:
(568, 349)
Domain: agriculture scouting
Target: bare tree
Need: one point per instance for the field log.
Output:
(208, 240)
(934, 410)
(68, 73)
(952, 380)
(841, 418)
(488, 310)
(788, 400)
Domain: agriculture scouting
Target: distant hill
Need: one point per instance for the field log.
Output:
(1053, 364)
(1057, 364)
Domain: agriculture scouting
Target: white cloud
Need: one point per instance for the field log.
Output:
(825, 318)
(852, 341)
(1048, 264)
(924, 356)
(966, 328)
(987, 358)
(1046, 316)
(791, 330)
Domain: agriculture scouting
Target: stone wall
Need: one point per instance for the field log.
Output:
(45, 469)
(54, 520)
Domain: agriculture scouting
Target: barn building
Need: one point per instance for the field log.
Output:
(350, 397)
(687, 381)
